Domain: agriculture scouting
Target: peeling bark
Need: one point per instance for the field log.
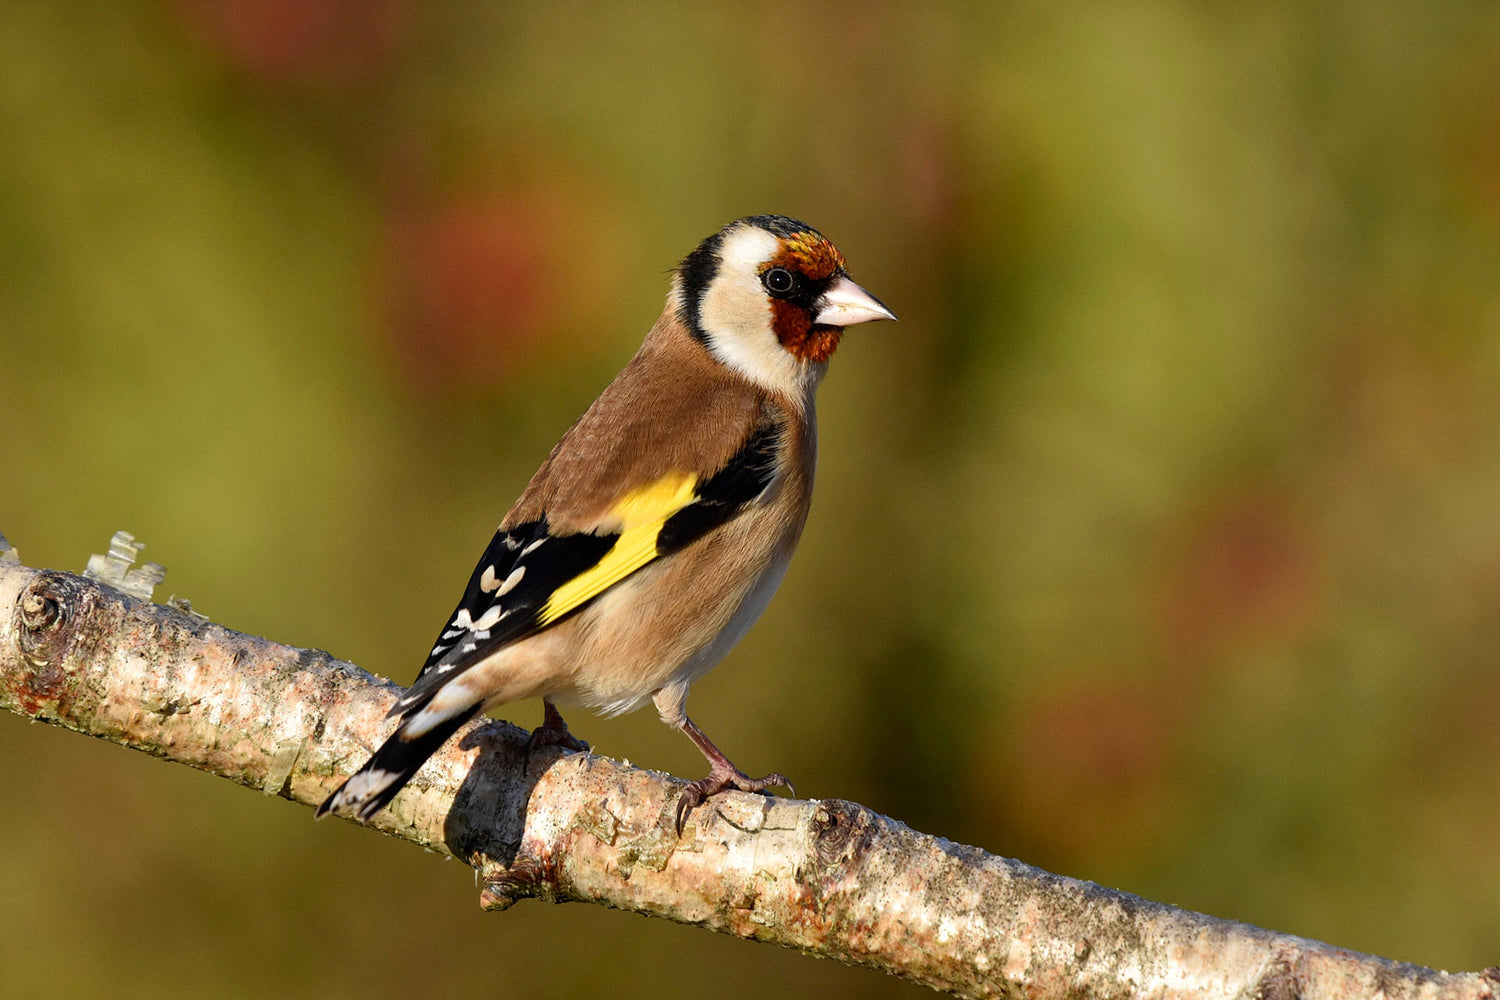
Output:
(830, 878)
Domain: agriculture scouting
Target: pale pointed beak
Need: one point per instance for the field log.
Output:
(845, 304)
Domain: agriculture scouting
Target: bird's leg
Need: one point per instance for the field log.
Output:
(553, 732)
(722, 774)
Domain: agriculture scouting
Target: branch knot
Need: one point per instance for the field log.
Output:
(525, 877)
(48, 609)
(39, 612)
(47, 613)
(840, 830)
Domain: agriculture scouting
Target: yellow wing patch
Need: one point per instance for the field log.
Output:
(654, 503)
(642, 513)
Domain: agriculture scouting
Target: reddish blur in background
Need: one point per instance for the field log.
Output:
(1158, 544)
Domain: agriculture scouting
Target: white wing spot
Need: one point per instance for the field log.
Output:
(439, 649)
(510, 581)
(487, 580)
(487, 620)
(511, 542)
(363, 787)
(534, 546)
(462, 620)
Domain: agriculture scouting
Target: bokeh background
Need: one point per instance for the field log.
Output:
(1158, 544)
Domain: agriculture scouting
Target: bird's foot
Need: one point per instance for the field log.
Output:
(553, 732)
(547, 736)
(722, 777)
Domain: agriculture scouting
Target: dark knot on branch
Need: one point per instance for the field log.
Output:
(49, 611)
(40, 611)
(840, 830)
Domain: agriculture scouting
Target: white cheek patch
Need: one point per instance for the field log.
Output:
(745, 250)
(735, 314)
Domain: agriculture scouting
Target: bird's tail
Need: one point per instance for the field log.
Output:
(369, 789)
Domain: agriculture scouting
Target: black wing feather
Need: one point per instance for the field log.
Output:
(725, 493)
(549, 561)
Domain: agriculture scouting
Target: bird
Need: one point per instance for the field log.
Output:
(655, 533)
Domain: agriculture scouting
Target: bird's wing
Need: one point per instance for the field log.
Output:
(530, 578)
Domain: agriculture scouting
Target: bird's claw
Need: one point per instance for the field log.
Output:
(547, 735)
(720, 779)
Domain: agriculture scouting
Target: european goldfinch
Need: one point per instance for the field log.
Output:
(654, 535)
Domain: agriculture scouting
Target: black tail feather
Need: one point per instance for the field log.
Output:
(371, 788)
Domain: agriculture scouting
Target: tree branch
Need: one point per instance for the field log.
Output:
(830, 878)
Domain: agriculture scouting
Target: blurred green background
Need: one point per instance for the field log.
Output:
(1158, 544)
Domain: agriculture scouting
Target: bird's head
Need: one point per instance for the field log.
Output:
(770, 298)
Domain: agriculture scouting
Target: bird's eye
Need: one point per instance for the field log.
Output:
(778, 281)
